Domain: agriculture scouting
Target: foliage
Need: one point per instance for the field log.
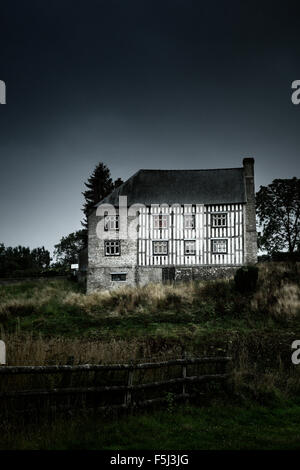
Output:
(278, 210)
(67, 250)
(21, 261)
(245, 279)
(286, 256)
(99, 185)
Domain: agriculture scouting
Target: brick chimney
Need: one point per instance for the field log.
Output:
(250, 234)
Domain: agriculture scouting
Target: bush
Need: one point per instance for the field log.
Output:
(245, 279)
(286, 257)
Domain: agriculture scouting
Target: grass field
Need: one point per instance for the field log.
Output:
(216, 427)
(53, 322)
(53, 308)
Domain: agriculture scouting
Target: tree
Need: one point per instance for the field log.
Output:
(22, 261)
(67, 250)
(278, 211)
(118, 182)
(99, 185)
(41, 258)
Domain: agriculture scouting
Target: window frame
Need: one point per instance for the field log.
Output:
(186, 216)
(107, 221)
(118, 274)
(219, 240)
(185, 243)
(219, 214)
(154, 242)
(160, 220)
(108, 242)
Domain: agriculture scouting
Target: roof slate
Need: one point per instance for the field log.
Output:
(220, 186)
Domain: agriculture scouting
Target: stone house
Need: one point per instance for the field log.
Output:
(169, 225)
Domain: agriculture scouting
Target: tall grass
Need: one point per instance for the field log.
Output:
(125, 300)
(262, 368)
(26, 349)
(60, 302)
(277, 295)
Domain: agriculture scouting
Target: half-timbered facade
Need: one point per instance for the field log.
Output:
(173, 225)
(195, 234)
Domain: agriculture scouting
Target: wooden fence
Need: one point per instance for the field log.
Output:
(127, 389)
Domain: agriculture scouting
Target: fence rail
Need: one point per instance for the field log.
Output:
(127, 388)
(8, 370)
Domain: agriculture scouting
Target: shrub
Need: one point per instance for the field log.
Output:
(245, 279)
(283, 256)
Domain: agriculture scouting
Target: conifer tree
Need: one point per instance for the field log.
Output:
(99, 185)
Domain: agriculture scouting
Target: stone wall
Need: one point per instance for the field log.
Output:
(203, 273)
(185, 273)
(146, 274)
(100, 278)
(100, 267)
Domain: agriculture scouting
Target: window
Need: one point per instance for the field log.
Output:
(118, 276)
(160, 248)
(189, 221)
(111, 222)
(219, 220)
(219, 246)
(190, 247)
(160, 221)
(112, 247)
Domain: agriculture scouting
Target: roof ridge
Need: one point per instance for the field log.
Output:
(189, 169)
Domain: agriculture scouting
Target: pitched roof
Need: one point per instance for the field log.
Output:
(222, 186)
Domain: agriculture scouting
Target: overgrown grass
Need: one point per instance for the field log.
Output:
(26, 349)
(53, 322)
(29, 298)
(56, 308)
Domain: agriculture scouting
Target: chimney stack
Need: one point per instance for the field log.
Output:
(250, 234)
(248, 164)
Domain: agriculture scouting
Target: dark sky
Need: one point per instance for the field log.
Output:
(138, 84)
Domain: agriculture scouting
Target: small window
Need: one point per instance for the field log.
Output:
(160, 248)
(111, 222)
(219, 220)
(219, 246)
(112, 247)
(189, 221)
(118, 277)
(160, 221)
(190, 247)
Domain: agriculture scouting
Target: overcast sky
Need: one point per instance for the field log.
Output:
(168, 84)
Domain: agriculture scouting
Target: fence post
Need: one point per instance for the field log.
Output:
(129, 383)
(2, 353)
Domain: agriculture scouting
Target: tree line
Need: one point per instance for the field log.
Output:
(22, 261)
